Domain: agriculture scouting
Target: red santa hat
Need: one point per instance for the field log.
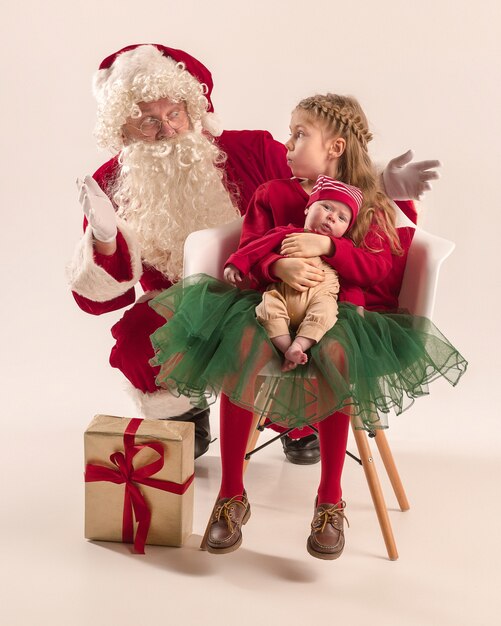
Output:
(327, 188)
(145, 73)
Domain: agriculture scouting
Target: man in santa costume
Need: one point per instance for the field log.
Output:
(173, 173)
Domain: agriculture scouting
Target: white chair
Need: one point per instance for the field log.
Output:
(206, 251)
(424, 260)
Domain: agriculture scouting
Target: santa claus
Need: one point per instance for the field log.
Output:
(173, 173)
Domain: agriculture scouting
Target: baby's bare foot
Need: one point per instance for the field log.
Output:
(295, 354)
(287, 365)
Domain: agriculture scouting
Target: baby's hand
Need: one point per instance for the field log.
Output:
(232, 275)
(306, 245)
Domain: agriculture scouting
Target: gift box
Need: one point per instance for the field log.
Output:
(139, 481)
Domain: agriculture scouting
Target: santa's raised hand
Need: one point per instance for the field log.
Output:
(98, 210)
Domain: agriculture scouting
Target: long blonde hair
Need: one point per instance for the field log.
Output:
(342, 116)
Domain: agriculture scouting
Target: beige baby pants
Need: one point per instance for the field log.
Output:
(310, 313)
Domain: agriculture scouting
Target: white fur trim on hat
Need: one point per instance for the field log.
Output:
(160, 404)
(92, 281)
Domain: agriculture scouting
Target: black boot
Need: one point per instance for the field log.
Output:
(305, 451)
(202, 428)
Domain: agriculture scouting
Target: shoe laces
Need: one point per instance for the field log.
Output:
(224, 511)
(327, 515)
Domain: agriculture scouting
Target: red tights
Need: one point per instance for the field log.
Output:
(234, 433)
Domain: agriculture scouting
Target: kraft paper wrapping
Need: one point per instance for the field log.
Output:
(171, 514)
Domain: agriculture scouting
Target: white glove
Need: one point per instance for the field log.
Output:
(98, 210)
(404, 180)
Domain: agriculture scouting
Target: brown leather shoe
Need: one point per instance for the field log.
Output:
(326, 540)
(228, 516)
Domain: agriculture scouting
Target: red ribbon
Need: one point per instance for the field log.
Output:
(135, 504)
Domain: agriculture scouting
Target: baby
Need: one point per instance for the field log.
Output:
(331, 211)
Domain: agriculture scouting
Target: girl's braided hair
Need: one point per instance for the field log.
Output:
(342, 116)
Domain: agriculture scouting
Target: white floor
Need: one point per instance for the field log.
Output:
(448, 572)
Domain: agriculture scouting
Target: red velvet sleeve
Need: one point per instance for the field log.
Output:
(408, 208)
(253, 158)
(351, 294)
(117, 265)
(98, 308)
(258, 220)
(246, 257)
(359, 265)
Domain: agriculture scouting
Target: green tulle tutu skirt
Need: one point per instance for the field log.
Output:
(366, 364)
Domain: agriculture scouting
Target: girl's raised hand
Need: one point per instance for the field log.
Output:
(306, 245)
(300, 274)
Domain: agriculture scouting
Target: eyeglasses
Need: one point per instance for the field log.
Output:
(150, 126)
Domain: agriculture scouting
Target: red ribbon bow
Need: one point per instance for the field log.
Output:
(135, 504)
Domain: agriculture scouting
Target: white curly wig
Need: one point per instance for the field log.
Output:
(145, 74)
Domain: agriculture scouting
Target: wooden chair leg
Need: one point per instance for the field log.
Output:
(391, 470)
(253, 436)
(251, 444)
(376, 492)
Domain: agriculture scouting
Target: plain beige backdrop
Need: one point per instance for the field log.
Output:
(428, 76)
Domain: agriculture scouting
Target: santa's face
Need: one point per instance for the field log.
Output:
(161, 119)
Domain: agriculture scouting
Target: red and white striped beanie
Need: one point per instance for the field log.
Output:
(327, 188)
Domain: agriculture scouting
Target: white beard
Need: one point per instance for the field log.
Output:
(166, 190)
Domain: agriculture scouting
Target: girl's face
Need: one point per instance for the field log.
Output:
(308, 152)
